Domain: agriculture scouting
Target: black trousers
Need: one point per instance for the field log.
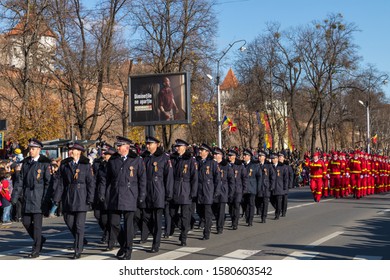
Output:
(182, 212)
(152, 220)
(33, 224)
(206, 214)
(249, 201)
(284, 204)
(125, 234)
(168, 219)
(276, 201)
(219, 214)
(262, 203)
(75, 222)
(101, 216)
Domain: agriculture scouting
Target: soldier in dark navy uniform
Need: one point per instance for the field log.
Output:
(209, 187)
(185, 173)
(159, 188)
(100, 207)
(125, 182)
(32, 184)
(76, 189)
(267, 185)
(253, 185)
(227, 188)
(281, 181)
(289, 185)
(240, 183)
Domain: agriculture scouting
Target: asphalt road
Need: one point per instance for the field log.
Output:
(333, 229)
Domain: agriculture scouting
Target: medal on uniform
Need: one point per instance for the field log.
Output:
(235, 173)
(185, 168)
(131, 171)
(76, 175)
(207, 169)
(222, 173)
(265, 171)
(39, 174)
(250, 172)
(155, 166)
(278, 173)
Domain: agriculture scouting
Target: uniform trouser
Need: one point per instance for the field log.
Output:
(277, 204)
(206, 214)
(101, 216)
(219, 213)
(356, 185)
(75, 222)
(183, 212)
(249, 201)
(325, 187)
(284, 204)
(152, 219)
(316, 188)
(33, 224)
(125, 234)
(195, 209)
(167, 219)
(234, 210)
(262, 203)
(335, 185)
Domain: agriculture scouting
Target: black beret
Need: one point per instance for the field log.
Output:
(205, 147)
(151, 139)
(179, 142)
(33, 142)
(120, 140)
(247, 152)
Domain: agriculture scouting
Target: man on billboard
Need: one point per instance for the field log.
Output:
(166, 101)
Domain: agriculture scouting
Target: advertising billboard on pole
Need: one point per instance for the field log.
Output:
(159, 99)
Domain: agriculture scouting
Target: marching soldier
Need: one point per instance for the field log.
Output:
(159, 187)
(32, 184)
(227, 188)
(355, 168)
(317, 171)
(253, 185)
(325, 185)
(125, 182)
(289, 185)
(240, 183)
(185, 187)
(266, 187)
(75, 190)
(281, 181)
(334, 169)
(209, 187)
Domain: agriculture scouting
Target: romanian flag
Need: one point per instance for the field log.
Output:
(267, 130)
(227, 121)
(233, 127)
(374, 139)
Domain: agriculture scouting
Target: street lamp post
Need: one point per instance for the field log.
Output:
(367, 105)
(219, 120)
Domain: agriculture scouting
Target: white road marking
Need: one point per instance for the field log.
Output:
(238, 255)
(175, 254)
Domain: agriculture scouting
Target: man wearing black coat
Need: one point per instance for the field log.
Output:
(159, 188)
(266, 187)
(281, 182)
(32, 184)
(76, 188)
(289, 185)
(227, 188)
(253, 185)
(125, 182)
(185, 187)
(240, 183)
(209, 187)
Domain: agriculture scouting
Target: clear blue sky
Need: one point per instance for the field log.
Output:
(245, 19)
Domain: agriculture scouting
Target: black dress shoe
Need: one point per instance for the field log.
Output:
(126, 256)
(76, 256)
(154, 250)
(220, 231)
(107, 249)
(276, 218)
(205, 238)
(263, 221)
(121, 253)
(33, 255)
(183, 244)
(234, 227)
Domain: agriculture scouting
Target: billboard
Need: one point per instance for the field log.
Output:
(159, 99)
